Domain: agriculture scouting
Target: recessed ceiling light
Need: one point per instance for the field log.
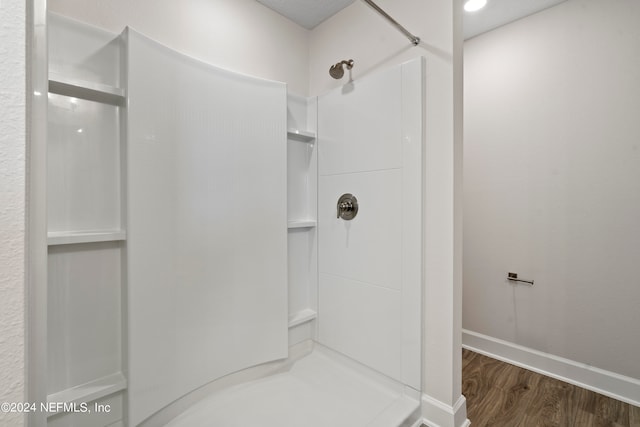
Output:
(473, 5)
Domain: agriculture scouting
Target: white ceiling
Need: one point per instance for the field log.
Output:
(309, 13)
(500, 12)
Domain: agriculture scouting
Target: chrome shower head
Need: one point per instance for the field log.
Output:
(337, 71)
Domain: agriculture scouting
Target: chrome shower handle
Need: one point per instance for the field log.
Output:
(347, 207)
(344, 207)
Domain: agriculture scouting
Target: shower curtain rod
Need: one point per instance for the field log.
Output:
(415, 40)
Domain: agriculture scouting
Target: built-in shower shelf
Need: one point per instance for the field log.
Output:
(301, 317)
(95, 236)
(301, 135)
(307, 223)
(86, 90)
(90, 391)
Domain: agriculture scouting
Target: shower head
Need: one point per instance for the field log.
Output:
(337, 71)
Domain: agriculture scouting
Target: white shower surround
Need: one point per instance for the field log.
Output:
(390, 340)
(170, 147)
(437, 23)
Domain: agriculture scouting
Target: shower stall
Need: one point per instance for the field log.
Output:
(221, 250)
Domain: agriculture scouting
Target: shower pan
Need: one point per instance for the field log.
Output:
(221, 250)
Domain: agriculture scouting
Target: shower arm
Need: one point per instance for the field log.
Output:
(348, 63)
(415, 40)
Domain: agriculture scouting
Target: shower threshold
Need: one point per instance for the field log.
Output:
(321, 388)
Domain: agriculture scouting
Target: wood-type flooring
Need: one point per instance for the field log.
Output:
(500, 394)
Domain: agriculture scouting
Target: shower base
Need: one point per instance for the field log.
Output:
(318, 389)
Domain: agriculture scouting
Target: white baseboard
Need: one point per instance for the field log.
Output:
(439, 414)
(620, 387)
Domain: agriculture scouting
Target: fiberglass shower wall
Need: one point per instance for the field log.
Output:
(370, 145)
(207, 216)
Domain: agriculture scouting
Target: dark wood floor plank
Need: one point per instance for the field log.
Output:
(583, 404)
(499, 394)
(585, 400)
(549, 403)
(468, 357)
(534, 421)
(610, 412)
(634, 416)
(509, 410)
(583, 419)
(474, 379)
(500, 374)
(489, 408)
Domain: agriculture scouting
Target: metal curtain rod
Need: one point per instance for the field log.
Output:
(415, 40)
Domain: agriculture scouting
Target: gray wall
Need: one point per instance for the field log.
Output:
(552, 183)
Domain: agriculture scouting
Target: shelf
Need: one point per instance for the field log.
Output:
(301, 317)
(309, 223)
(90, 391)
(86, 90)
(300, 135)
(95, 236)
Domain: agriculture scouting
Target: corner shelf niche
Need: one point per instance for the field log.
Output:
(301, 135)
(90, 91)
(302, 316)
(90, 391)
(311, 223)
(302, 176)
(86, 217)
(94, 236)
